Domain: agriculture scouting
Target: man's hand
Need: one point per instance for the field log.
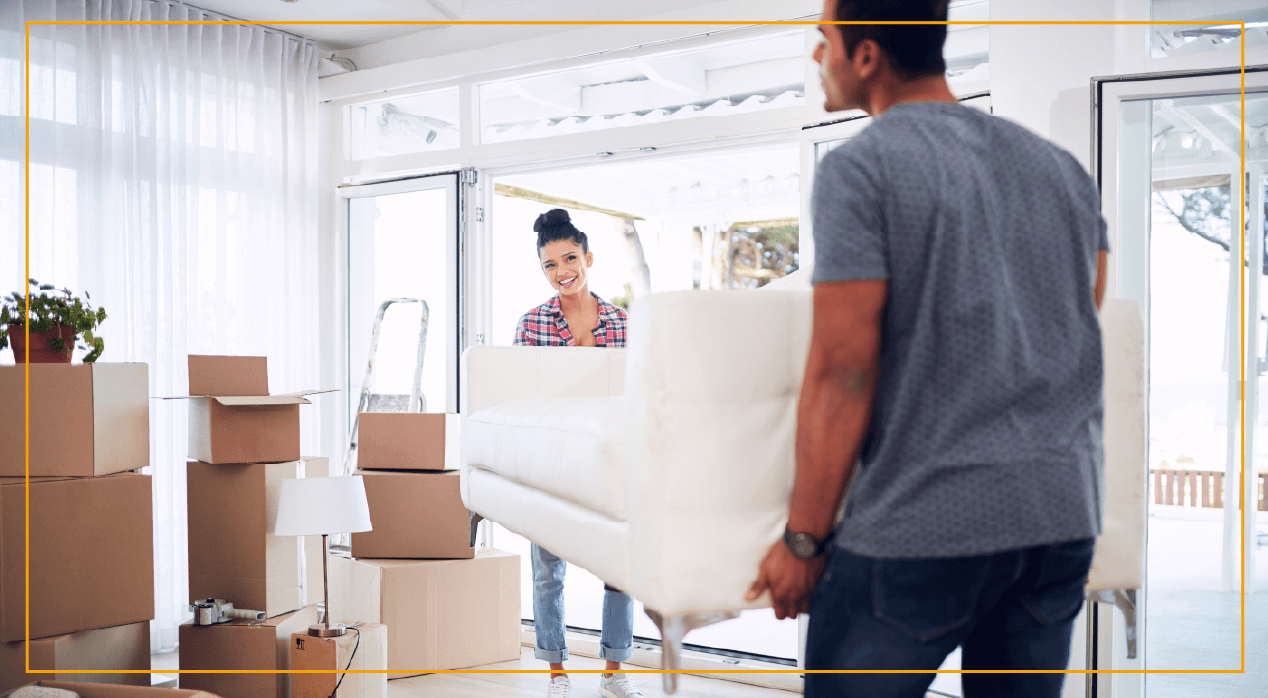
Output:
(791, 581)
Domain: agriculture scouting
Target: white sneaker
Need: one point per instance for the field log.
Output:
(618, 686)
(559, 687)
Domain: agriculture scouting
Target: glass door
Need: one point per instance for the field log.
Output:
(403, 244)
(1176, 196)
(717, 218)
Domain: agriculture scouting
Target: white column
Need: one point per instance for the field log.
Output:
(1250, 470)
(1232, 484)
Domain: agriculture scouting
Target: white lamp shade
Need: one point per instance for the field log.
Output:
(322, 505)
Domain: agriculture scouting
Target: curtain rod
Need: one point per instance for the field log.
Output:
(217, 15)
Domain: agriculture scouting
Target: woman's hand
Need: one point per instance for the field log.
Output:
(790, 580)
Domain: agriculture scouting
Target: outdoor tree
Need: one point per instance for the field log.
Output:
(1205, 212)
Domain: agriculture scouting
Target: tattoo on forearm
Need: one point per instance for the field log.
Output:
(853, 384)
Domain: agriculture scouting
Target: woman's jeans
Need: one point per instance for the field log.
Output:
(617, 640)
(1013, 610)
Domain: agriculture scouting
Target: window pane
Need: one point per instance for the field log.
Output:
(412, 124)
(1216, 26)
(397, 248)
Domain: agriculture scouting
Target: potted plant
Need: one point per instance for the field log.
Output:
(58, 321)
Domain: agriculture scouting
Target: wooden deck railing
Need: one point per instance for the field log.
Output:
(1197, 488)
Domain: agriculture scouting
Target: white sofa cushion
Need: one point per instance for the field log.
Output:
(567, 446)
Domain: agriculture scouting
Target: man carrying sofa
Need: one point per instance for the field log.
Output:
(956, 356)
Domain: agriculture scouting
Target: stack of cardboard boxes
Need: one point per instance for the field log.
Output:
(91, 523)
(445, 605)
(242, 443)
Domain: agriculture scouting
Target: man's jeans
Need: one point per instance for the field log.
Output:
(617, 639)
(1011, 610)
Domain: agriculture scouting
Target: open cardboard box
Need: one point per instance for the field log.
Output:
(233, 554)
(232, 416)
(86, 419)
(105, 690)
(440, 614)
(92, 554)
(125, 647)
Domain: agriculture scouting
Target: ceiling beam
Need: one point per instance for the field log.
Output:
(679, 74)
(1181, 116)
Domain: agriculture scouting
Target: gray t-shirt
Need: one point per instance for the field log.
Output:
(986, 429)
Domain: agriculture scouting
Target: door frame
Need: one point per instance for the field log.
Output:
(451, 183)
(1128, 277)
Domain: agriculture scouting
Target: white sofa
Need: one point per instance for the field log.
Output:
(665, 468)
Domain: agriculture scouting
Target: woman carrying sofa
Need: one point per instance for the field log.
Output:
(574, 317)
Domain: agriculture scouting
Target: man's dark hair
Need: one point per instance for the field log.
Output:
(914, 51)
(555, 225)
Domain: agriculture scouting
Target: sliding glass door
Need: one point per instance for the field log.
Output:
(1176, 194)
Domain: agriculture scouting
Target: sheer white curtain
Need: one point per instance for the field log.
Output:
(173, 176)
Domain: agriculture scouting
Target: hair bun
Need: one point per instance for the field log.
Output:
(551, 219)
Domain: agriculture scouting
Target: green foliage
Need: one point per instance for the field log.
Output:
(624, 302)
(48, 311)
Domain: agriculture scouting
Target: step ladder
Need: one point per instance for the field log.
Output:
(415, 401)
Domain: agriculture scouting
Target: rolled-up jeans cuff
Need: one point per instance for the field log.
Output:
(616, 655)
(552, 656)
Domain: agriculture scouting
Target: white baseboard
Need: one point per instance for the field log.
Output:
(695, 663)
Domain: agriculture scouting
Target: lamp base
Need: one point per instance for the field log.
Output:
(320, 630)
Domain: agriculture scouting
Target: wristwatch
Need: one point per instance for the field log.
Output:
(804, 546)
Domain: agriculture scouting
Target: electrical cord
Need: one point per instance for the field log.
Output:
(353, 628)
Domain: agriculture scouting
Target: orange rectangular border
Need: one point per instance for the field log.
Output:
(26, 67)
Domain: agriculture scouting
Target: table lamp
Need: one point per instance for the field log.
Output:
(321, 506)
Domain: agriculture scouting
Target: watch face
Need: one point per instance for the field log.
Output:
(802, 545)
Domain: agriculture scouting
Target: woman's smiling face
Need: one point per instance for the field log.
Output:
(564, 265)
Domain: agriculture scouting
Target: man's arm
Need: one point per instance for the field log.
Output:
(832, 419)
(836, 398)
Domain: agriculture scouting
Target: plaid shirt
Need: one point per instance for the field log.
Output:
(544, 326)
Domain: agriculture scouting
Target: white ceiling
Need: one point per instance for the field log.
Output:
(345, 36)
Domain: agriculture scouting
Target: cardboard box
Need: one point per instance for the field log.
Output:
(119, 648)
(92, 554)
(407, 441)
(440, 614)
(415, 515)
(364, 647)
(232, 417)
(101, 690)
(258, 644)
(86, 420)
(233, 554)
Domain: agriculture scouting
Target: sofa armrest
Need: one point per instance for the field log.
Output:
(1119, 561)
(712, 383)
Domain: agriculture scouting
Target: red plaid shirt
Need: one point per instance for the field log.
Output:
(544, 326)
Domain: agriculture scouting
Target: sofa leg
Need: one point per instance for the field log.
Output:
(672, 631)
(475, 521)
(1125, 599)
